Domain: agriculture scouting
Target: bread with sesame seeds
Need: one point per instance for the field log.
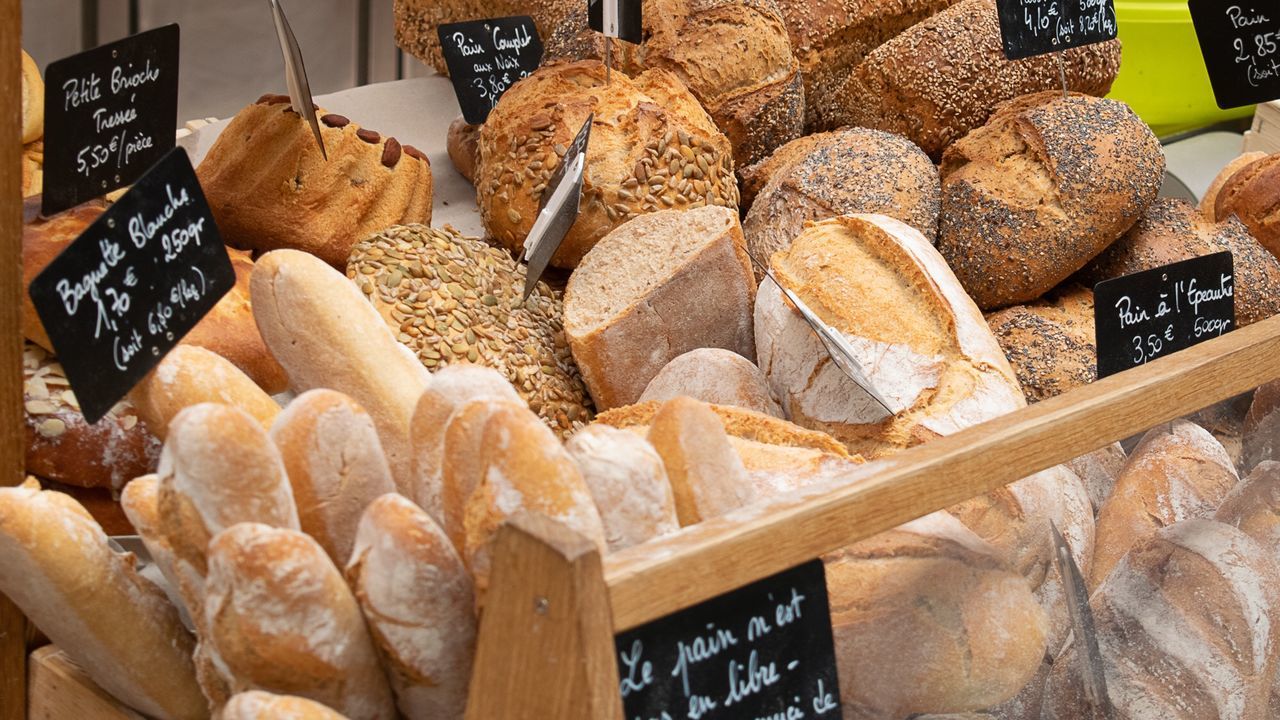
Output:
(1253, 195)
(1040, 190)
(944, 76)
(847, 172)
(652, 147)
(1173, 230)
(1050, 342)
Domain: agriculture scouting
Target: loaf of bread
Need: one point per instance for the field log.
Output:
(716, 376)
(56, 565)
(628, 483)
(417, 598)
(1253, 506)
(453, 299)
(190, 375)
(942, 77)
(1036, 193)
(1187, 628)
(734, 55)
(463, 145)
(462, 460)
(1209, 202)
(32, 100)
(1173, 230)
(269, 187)
(33, 169)
(1178, 472)
(655, 288)
(927, 619)
(919, 339)
(1099, 470)
(706, 475)
(335, 466)
(280, 618)
(43, 239)
(326, 335)
(140, 501)
(62, 446)
(652, 147)
(843, 173)
(1049, 342)
(259, 705)
(1252, 195)
(1225, 422)
(1261, 428)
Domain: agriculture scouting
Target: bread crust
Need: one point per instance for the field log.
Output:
(707, 477)
(259, 705)
(628, 483)
(715, 376)
(463, 144)
(1049, 342)
(1253, 195)
(190, 375)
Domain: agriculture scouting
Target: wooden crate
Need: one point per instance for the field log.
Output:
(57, 689)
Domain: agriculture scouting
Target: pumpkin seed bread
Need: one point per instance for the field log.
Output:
(453, 299)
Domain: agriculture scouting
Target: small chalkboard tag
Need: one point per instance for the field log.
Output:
(1036, 27)
(762, 651)
(485, 57)
(110, 113)
(126, 291)
(616, 19)
(1240, 42)
(1140, 317)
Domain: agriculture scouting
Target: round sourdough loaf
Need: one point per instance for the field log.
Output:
(1261, 430)
(1049, 342)
(655, 288)
(843, 173)
(269, 187)
(734, 56)
(942, 77)
(1037, 192)
(712, 375)
(919, 339)
(1172, 230)
(32, 100)
(652, 147)
(1253, 195)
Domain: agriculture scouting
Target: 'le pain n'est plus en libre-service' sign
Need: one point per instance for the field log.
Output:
(763, 651)
(1035, 27)
(1240, 42)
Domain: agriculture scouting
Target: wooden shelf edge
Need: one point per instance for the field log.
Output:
(59, 689)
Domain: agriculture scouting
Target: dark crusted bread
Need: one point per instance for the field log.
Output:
(1050, 342)
(1253, 195)
(1047, 184)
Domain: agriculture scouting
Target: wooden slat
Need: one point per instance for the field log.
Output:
(61, 691)
(714, 557)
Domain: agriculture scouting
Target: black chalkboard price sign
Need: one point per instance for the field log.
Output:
(616, 18)
(763, 651)
(110, 113)
(1036, 27)
(127, 290)
(485, 57)
(1140, 317)
(1240, 42)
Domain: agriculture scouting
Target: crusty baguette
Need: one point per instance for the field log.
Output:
(707, 477)
(463, 461)
(280, 618)
(712, 375)
(335, 466)
(325, 334)
(189, 375)
(628, 482)
(417, 598)
(140, 501)
(259, 705)
(56, 565)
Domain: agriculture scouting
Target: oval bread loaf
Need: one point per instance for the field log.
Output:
(628, 483)
(259, 705)
(1253, 195)
(190, 375)
(1049, 342)
(707, 477)
(462, 461)
(715, 376)
(1209, 201)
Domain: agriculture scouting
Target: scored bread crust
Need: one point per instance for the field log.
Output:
(628, 483)
(1253, 195)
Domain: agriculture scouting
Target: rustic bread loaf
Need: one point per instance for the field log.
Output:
(1036, 193)
(1049, 342)
(1187, 628)
(716, 376)
(416, 596)
(734, 56)
(270, 188)
(942, 77)
(259, 705)
(56, 566)
(652, 147)
(707, 477)
(844, 173)
(280, 618)
(918, 337)
(651, 290)
(318, 324)
(462, 460)
(628, 483)
(335, 466)
(1099, 470)
(189, 375)
(32, 100)
(1253, 195)
(452, 299)
(1261, 428)
(927, 619)
(43, 239)
(417, 21)
(1253, 506)
(1209, 202)
(463, 145)
(1178, 472)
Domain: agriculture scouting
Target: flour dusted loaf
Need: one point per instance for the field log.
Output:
(259, 705)
(655, 288)
(1041, 189)
(189, 375)
(942, 77)
(269, 187)
(843, 173)
(918, 337)
(734, 56)
(652, 147)
(454, 299)
(628, 483)
(712, 375)
(1252, 194)
(1260, 432)
(1099, 470)
(1253, 505)
(1049, 342)
(708, 479)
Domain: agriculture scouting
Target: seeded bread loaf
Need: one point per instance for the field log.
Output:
(1253, 195)
(628, 483)
(454, 299)
(655, 288)
(259, 705)
(1049, 342)
(463, 144)
(942, 77)
(844, 173)
(1209, 202)
(652, 147)
(919, 339)
(734, 56)
(190, 375)
(712, 375)
(269, 187)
